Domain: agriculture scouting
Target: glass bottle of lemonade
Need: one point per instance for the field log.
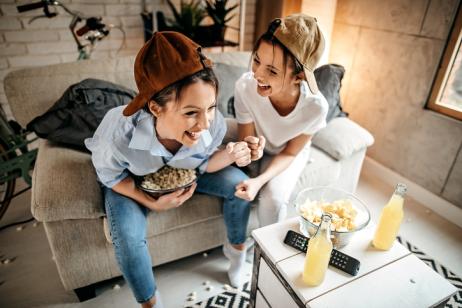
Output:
(318, 253)
(390, 219)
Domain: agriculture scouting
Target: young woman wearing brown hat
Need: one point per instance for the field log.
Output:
(279, 102)
(172, 121)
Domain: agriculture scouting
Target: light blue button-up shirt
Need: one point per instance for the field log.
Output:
(122, 145)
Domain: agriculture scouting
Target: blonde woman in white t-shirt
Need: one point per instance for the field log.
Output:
(278, 108)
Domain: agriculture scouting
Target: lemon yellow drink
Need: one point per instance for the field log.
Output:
(318, 254)
(390, 220)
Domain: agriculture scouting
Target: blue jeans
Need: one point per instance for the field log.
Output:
(127, 223)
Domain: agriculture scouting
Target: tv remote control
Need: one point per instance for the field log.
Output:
(338, 259)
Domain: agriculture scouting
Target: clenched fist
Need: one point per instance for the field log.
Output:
(256, 145)
(239, 153)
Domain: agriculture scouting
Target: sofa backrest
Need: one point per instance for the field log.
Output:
(32, 91)
(237, 58)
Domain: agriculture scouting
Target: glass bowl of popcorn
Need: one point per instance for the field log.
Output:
(349, 213)
(166, 180)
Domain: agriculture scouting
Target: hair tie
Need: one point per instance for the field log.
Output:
(273, 26)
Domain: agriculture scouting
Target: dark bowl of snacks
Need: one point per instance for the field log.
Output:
(166, 180)
(349, 213)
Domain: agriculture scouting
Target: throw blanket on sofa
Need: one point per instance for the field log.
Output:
(77, 114)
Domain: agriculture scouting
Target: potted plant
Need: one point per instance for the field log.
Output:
(186, 20)
(219, 13)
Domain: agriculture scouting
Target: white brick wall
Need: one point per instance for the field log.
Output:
(9, 23)
(33, 60)
(8, 49)
(131, 21)
(58, 22)
(50, 48)
(30, 36)
(48, 41)
(3, 64)
(123, 9)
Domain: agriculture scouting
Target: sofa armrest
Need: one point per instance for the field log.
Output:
(64, 185)
(342, 137)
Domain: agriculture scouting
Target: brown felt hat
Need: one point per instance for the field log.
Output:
(301, 34)
(163, 60)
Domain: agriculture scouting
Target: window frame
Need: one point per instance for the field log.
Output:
(445, 67)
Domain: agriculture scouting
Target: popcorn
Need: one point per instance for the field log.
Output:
(342, 211)
(168, 178)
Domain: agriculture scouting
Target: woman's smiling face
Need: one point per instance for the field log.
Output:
(186, 119)
(272, 75)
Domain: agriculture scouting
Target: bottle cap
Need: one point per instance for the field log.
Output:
(401, 189)
(325, 216)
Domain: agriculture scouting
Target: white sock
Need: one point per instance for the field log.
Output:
(237, 260)
(158, 300)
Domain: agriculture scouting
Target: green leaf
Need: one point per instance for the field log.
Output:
(173, 8)
(217, 10)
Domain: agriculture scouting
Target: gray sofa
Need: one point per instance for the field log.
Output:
(67, 199)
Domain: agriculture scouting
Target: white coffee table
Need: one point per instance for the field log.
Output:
(394, 278)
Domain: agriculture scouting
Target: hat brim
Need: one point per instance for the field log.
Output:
(136, 104)
(311, 80)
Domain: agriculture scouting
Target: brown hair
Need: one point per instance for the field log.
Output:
(271, 39)
(174, 90)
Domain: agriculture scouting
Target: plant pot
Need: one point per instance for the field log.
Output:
(212, 35)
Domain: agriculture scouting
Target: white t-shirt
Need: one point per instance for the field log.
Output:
(308, 116)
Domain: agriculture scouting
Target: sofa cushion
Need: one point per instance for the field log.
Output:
(64, 185)
(238, 58)
(342, 137)
(329, 79)
(227, 76)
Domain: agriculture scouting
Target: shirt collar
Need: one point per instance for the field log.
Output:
(143, 132)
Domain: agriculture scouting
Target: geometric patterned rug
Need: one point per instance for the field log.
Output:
(235, 298)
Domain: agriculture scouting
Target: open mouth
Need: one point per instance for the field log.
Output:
(263, 86)
(193, 135)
